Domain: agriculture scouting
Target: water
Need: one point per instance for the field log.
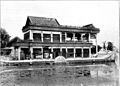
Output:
(60, 75)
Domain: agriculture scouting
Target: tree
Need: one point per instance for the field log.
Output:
(110, 46)
(4, 38)
(93, 49)
(104, 45)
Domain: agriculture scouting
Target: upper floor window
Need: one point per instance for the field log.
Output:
(56, 37)
(77, 37)
(46, 37)
(86, 37)
(27, 36)
(85, 52)
(69, 37)
(36, 36)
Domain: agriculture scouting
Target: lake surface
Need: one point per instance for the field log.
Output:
(60, 75)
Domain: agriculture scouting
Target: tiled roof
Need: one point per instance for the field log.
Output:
(14, 40)
(43, 21)
(52, 24)
(89, 26)
(66, 26)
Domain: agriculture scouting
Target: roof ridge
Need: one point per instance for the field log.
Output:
(40, 17)
(43, 21)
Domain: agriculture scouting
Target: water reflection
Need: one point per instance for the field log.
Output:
(70, 75)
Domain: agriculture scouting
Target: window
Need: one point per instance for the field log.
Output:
(85, 52)
(56, 38)
(26, 36)
(78, 36)
(69, 37)
(37, 52)
(70, 53)
(78, 52)
(36, 36)
(86, 37)
(47, 37)
(56, 52)
(64, 52)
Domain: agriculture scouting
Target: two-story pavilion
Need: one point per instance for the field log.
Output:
(45, 38)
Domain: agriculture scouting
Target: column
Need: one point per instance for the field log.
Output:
(82, 52)
(96, 44)
(31, 35)
(19, 51)
(60, 37)
(74, 51)
(15, 52)
(51, 56)
(66, 52)
(89, 52)
(73, 36)
(31, 52)
(61, 51)
(81, 37)
(42, 36)
(65, 36)
(51, 37)
(42, 52)
(89, 37)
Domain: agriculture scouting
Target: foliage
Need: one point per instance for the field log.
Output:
(110, 46)
(4, 38)
(93, 49)
(104, 46)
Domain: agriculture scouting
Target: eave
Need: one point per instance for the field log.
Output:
(40, 44)
(60, 29)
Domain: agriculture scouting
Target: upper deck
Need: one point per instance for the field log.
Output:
(48, 30)
(51, 24)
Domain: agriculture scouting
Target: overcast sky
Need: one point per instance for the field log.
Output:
(102, 14)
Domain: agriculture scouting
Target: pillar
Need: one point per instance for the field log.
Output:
(42, 51)
(51, 37)
(42, 36)
(61, 51)
(96, 44)
(60, 37)
(66, 52)
(82, 52)
(52, 53)
(89, 37)
(19, 51)
(81, 37)
(73, 36)
(74, 51)
(89, 52)
(31, 52)
(65, 36)
(31, 35)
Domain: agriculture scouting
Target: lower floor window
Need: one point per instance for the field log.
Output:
(85, 52)
(37, 53)
(46, 53)
(70, 53)
(78, 53)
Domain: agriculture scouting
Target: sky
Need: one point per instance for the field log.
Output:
(102, 14)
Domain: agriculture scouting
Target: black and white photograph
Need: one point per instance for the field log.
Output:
(59, 43)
